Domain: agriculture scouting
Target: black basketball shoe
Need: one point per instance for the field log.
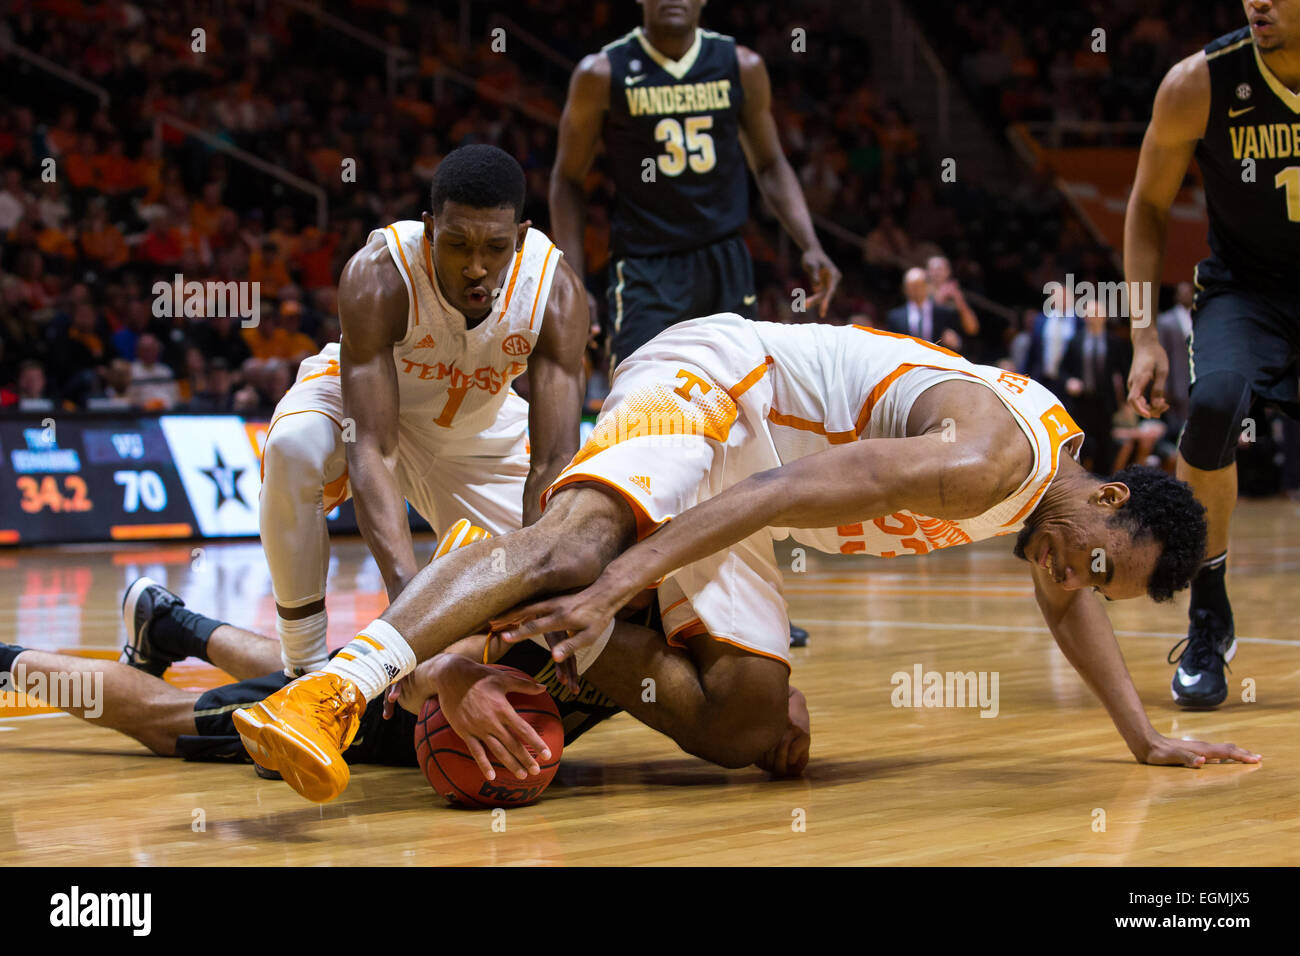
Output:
(142, 604)
(798, 636)
(1210, 644)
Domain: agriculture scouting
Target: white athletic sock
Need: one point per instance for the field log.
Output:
(374, 659)
(302, 643)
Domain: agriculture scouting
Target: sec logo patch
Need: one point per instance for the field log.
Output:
(516, 345)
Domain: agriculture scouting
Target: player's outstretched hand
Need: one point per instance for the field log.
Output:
(584, 616)
(1150, 367)
(1167, 752)
(473, 699)
(825, 278)
(790, 755)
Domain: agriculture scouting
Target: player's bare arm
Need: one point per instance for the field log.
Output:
(555, 376)
(1178, 120)
(1084, 634)
(579, 140)
(853, 482)
(776, 180)
(373, 313)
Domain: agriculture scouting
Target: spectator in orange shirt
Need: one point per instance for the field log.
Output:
(326, 160)
(101, 241)
(81, 165)
(278, 338)
(117, 173)
(207, 212)
(63, 137)
(316, 258)
(413, 104)
(266, 267)
(54, 242)
(285, 234)
(291, 343)
(149, 171)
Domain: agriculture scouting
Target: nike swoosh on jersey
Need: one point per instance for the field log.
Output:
(749, 299)
(1232, 114)
(633, 80)
(1187, 680)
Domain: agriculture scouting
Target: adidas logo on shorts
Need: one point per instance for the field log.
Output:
(642, 482)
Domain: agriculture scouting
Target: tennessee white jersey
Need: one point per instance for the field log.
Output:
(453, 378)
(800, 389)
(832, 385)
(709, 402)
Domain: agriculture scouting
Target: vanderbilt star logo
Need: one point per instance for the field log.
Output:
(226, 480)
(1233, 114)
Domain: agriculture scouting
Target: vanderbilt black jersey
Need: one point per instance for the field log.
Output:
(673, 138)
(1254, 206)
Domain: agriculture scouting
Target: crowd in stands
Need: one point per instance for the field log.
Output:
(1099, 61)
(135, 200)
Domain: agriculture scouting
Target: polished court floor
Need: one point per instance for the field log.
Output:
(1045, 781)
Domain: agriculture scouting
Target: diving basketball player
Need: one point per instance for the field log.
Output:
(723, 434)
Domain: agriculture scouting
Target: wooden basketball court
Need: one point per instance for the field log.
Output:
(1045, 781)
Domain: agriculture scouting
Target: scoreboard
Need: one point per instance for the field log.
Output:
(65, 479)
(125, 478)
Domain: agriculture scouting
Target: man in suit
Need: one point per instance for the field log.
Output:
(1174, 329)
(1093, 370)
(1054, 329)
(921, 317)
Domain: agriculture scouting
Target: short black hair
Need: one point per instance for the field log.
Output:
(480, 176)
(1162, 507)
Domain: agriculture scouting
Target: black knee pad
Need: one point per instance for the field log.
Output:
(1218, 403)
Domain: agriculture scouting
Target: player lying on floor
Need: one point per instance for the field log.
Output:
(721, 435)
(172, 722)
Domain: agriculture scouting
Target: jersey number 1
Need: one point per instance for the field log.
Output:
(695, 141)
(1289, 179)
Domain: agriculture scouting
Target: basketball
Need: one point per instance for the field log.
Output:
(451, 770)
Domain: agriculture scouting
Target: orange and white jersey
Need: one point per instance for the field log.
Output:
(832, 385)
(452, 381)
(451, 378)
(709, 402)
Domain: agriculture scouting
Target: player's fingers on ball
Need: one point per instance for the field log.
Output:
(527, 733)
(511, 736)
(504, 757)
(480, 757)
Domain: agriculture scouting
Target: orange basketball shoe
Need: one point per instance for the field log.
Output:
(302, 730)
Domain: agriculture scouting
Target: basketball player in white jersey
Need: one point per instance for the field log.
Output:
(717, 437)
(438, 317)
